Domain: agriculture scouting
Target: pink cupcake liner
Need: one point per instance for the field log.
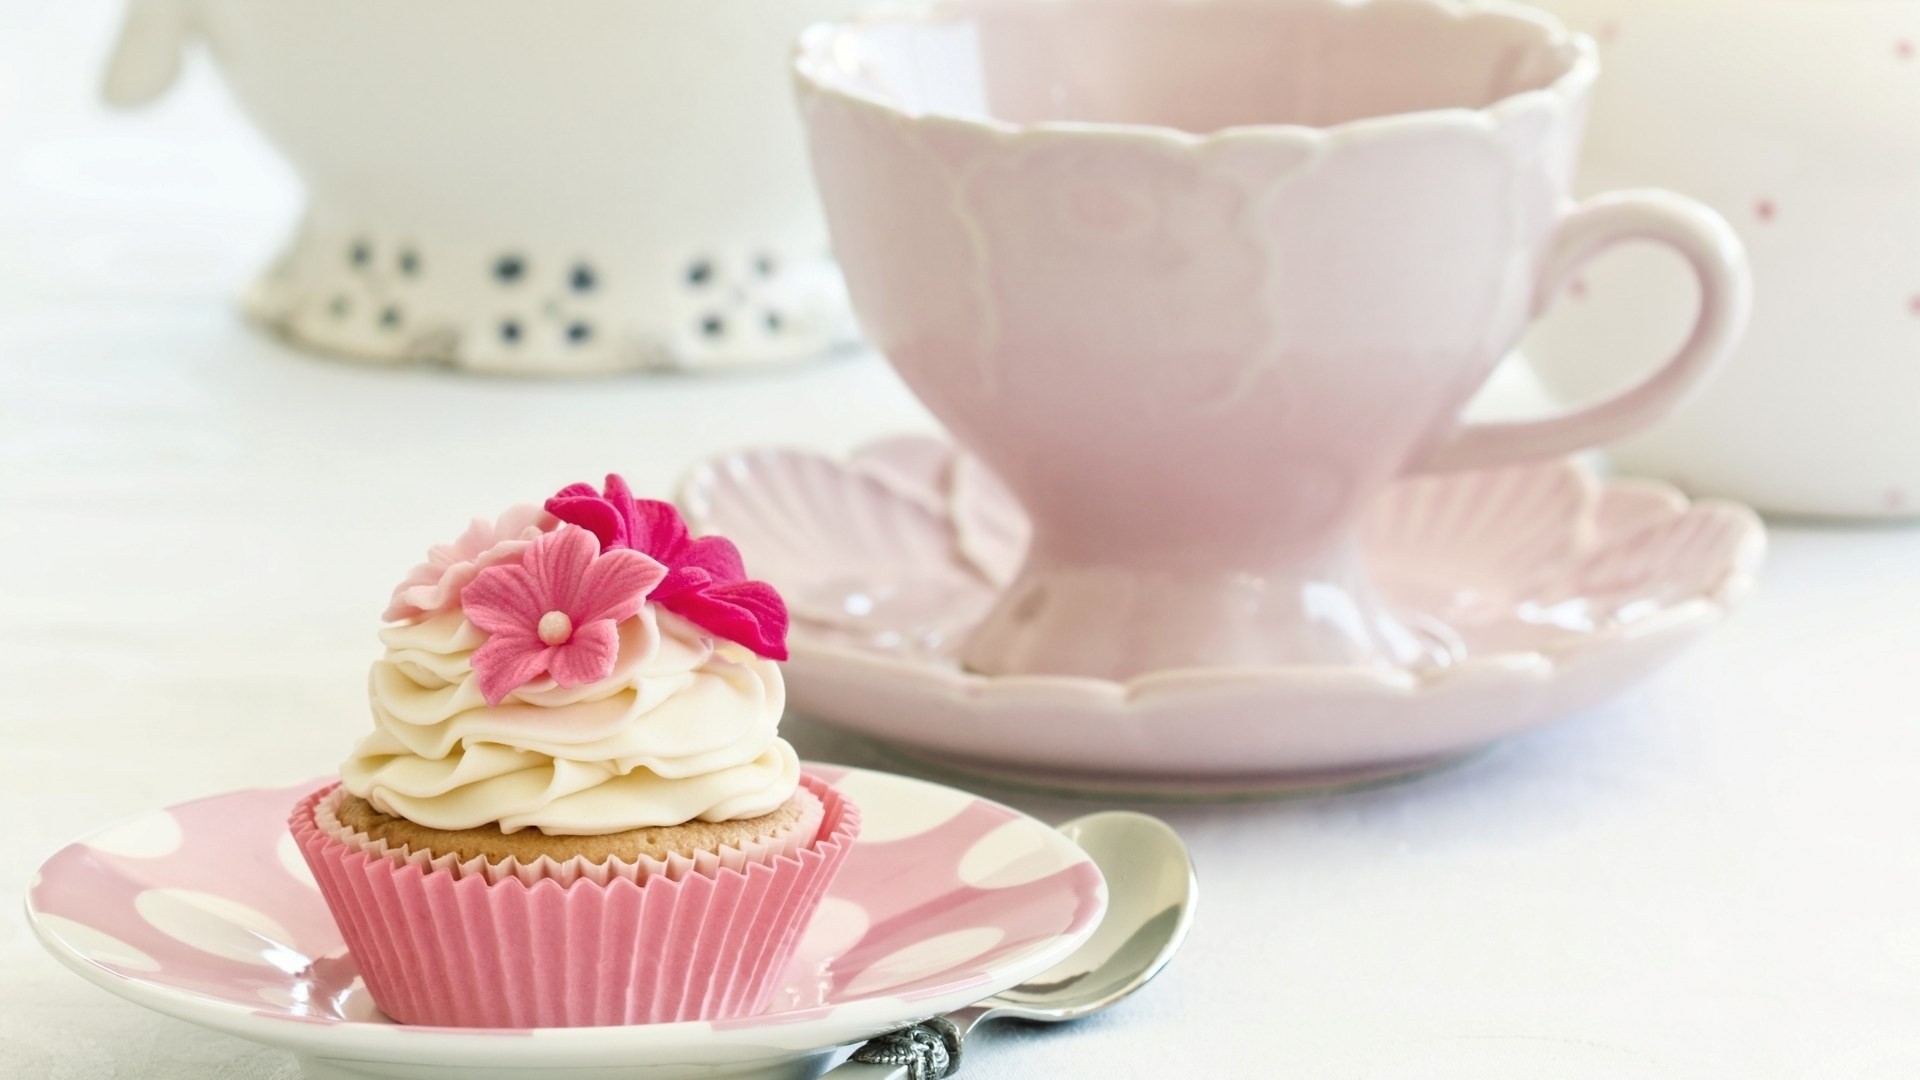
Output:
(787, 842)
(465, 949)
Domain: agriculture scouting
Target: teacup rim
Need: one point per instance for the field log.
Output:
(811, 71)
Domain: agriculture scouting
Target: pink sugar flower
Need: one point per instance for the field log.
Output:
(435, 585)
(556, 612)
(706, 581)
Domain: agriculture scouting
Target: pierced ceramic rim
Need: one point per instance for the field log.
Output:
(480, 1048)
(1737, 581)
(817, 74)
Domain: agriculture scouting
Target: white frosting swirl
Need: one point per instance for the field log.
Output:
(684, 729)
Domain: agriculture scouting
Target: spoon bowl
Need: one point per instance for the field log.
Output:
(1152, 889)
(1151, 892)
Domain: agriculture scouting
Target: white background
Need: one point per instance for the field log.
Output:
(1718, 875)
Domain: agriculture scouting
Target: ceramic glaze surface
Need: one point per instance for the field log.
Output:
(206, 911)
(1195, 335)
(517, 187)
(1550, 589)
(1795, 119)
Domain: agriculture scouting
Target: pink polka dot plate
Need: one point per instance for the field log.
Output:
(205, 912)
(1548, 588)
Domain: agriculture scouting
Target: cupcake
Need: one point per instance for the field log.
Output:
(575, 807)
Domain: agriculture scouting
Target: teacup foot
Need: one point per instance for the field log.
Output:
(1112, 622)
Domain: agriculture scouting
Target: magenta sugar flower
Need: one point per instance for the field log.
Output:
(556, 612)
(706, 581)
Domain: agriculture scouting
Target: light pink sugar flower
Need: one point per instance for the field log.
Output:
(435, 585)
(556, 612)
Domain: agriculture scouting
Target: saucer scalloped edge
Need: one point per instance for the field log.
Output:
(1552, 588)
(206, 912)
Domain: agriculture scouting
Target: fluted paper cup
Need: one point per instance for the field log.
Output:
(471, 949)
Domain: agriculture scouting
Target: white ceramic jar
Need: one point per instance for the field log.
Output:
(1799, 120)
(519, 186)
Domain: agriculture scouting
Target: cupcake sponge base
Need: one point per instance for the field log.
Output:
(529, 845)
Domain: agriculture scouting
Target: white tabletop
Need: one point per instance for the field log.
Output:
(1717, 875)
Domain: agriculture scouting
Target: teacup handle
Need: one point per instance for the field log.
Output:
(1709, 245)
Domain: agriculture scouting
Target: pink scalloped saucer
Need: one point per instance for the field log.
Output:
(1552, 589)
(206, 912)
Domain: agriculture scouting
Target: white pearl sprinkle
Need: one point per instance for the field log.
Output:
(555, 628)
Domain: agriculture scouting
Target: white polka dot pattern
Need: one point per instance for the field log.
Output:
(97, 946)
(288, 853)
(1009, 855)
(149, 836)
(951, 950)
(837, 926)
(891, 818)
(357, 1005)
(213, 924)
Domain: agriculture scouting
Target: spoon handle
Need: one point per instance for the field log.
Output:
(924, 1051)
(852, 1069)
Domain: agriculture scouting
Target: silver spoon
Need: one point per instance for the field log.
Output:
(1151, 893)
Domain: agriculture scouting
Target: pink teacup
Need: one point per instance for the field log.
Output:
(1198, 279)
